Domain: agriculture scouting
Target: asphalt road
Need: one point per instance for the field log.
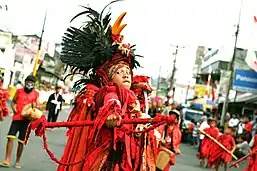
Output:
(36, 159)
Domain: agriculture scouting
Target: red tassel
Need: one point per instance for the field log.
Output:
(114, 138)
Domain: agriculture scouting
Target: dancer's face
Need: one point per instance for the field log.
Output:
(212, 124)
(228, 131)
(122, 77)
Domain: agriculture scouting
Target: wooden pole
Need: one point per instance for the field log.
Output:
(218, 143)
(39, 48)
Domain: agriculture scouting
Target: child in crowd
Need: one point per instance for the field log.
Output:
(195, 134)
(207, 143)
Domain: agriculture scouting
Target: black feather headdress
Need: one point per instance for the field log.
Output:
(96, 46)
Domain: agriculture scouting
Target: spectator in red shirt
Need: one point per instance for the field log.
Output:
(23, 97)
(248, 127)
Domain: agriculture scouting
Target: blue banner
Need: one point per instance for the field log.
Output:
(245, 81)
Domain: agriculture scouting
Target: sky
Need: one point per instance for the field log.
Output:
(154, 26)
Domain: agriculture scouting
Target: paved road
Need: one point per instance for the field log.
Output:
(36, 159)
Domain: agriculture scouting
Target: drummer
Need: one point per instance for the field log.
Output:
(23, 97)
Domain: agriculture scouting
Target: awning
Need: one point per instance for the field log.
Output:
(246, 97)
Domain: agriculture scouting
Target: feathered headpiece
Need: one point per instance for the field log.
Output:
(142, 82)
(95, 47)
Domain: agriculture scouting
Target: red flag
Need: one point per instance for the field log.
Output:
(251, 58)
(213, 94)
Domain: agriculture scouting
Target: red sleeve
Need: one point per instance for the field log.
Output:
(248, 127)
(111, 103)
(110, 97)
(37, 95)
(233, 141)
(176, 138)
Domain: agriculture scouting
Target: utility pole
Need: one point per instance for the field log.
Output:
(39, 47)
(231, 69)
(172, 78)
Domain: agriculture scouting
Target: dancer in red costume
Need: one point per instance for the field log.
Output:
(252, 164)
(99, 51)
(207, 144)
(142, 90)
(220, 156)
(3, 100)
(172, 139)
(152, 144)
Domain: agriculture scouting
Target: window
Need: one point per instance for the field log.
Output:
(188, 115)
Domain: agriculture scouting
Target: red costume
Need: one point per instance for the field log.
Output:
(22, 100)
(252, 165)
(98, 50)
(175, 136)
(207, 144)
(148, 144)
(219, 155)
(172, 136)
(142, 89)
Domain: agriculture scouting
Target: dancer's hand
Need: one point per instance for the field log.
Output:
(163, 141)
(113, 120)
(177, 151)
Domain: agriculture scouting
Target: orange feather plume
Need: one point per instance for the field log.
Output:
(117, 27)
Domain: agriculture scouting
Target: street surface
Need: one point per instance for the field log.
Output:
(36, 159)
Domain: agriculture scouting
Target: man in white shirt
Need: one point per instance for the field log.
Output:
(203, 125)
(54, 105)
(233, 122)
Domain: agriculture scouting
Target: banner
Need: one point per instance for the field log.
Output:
(245, 59)
(245, 81)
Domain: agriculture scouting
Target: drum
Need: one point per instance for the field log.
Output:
(163, 158)
(31, 113)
